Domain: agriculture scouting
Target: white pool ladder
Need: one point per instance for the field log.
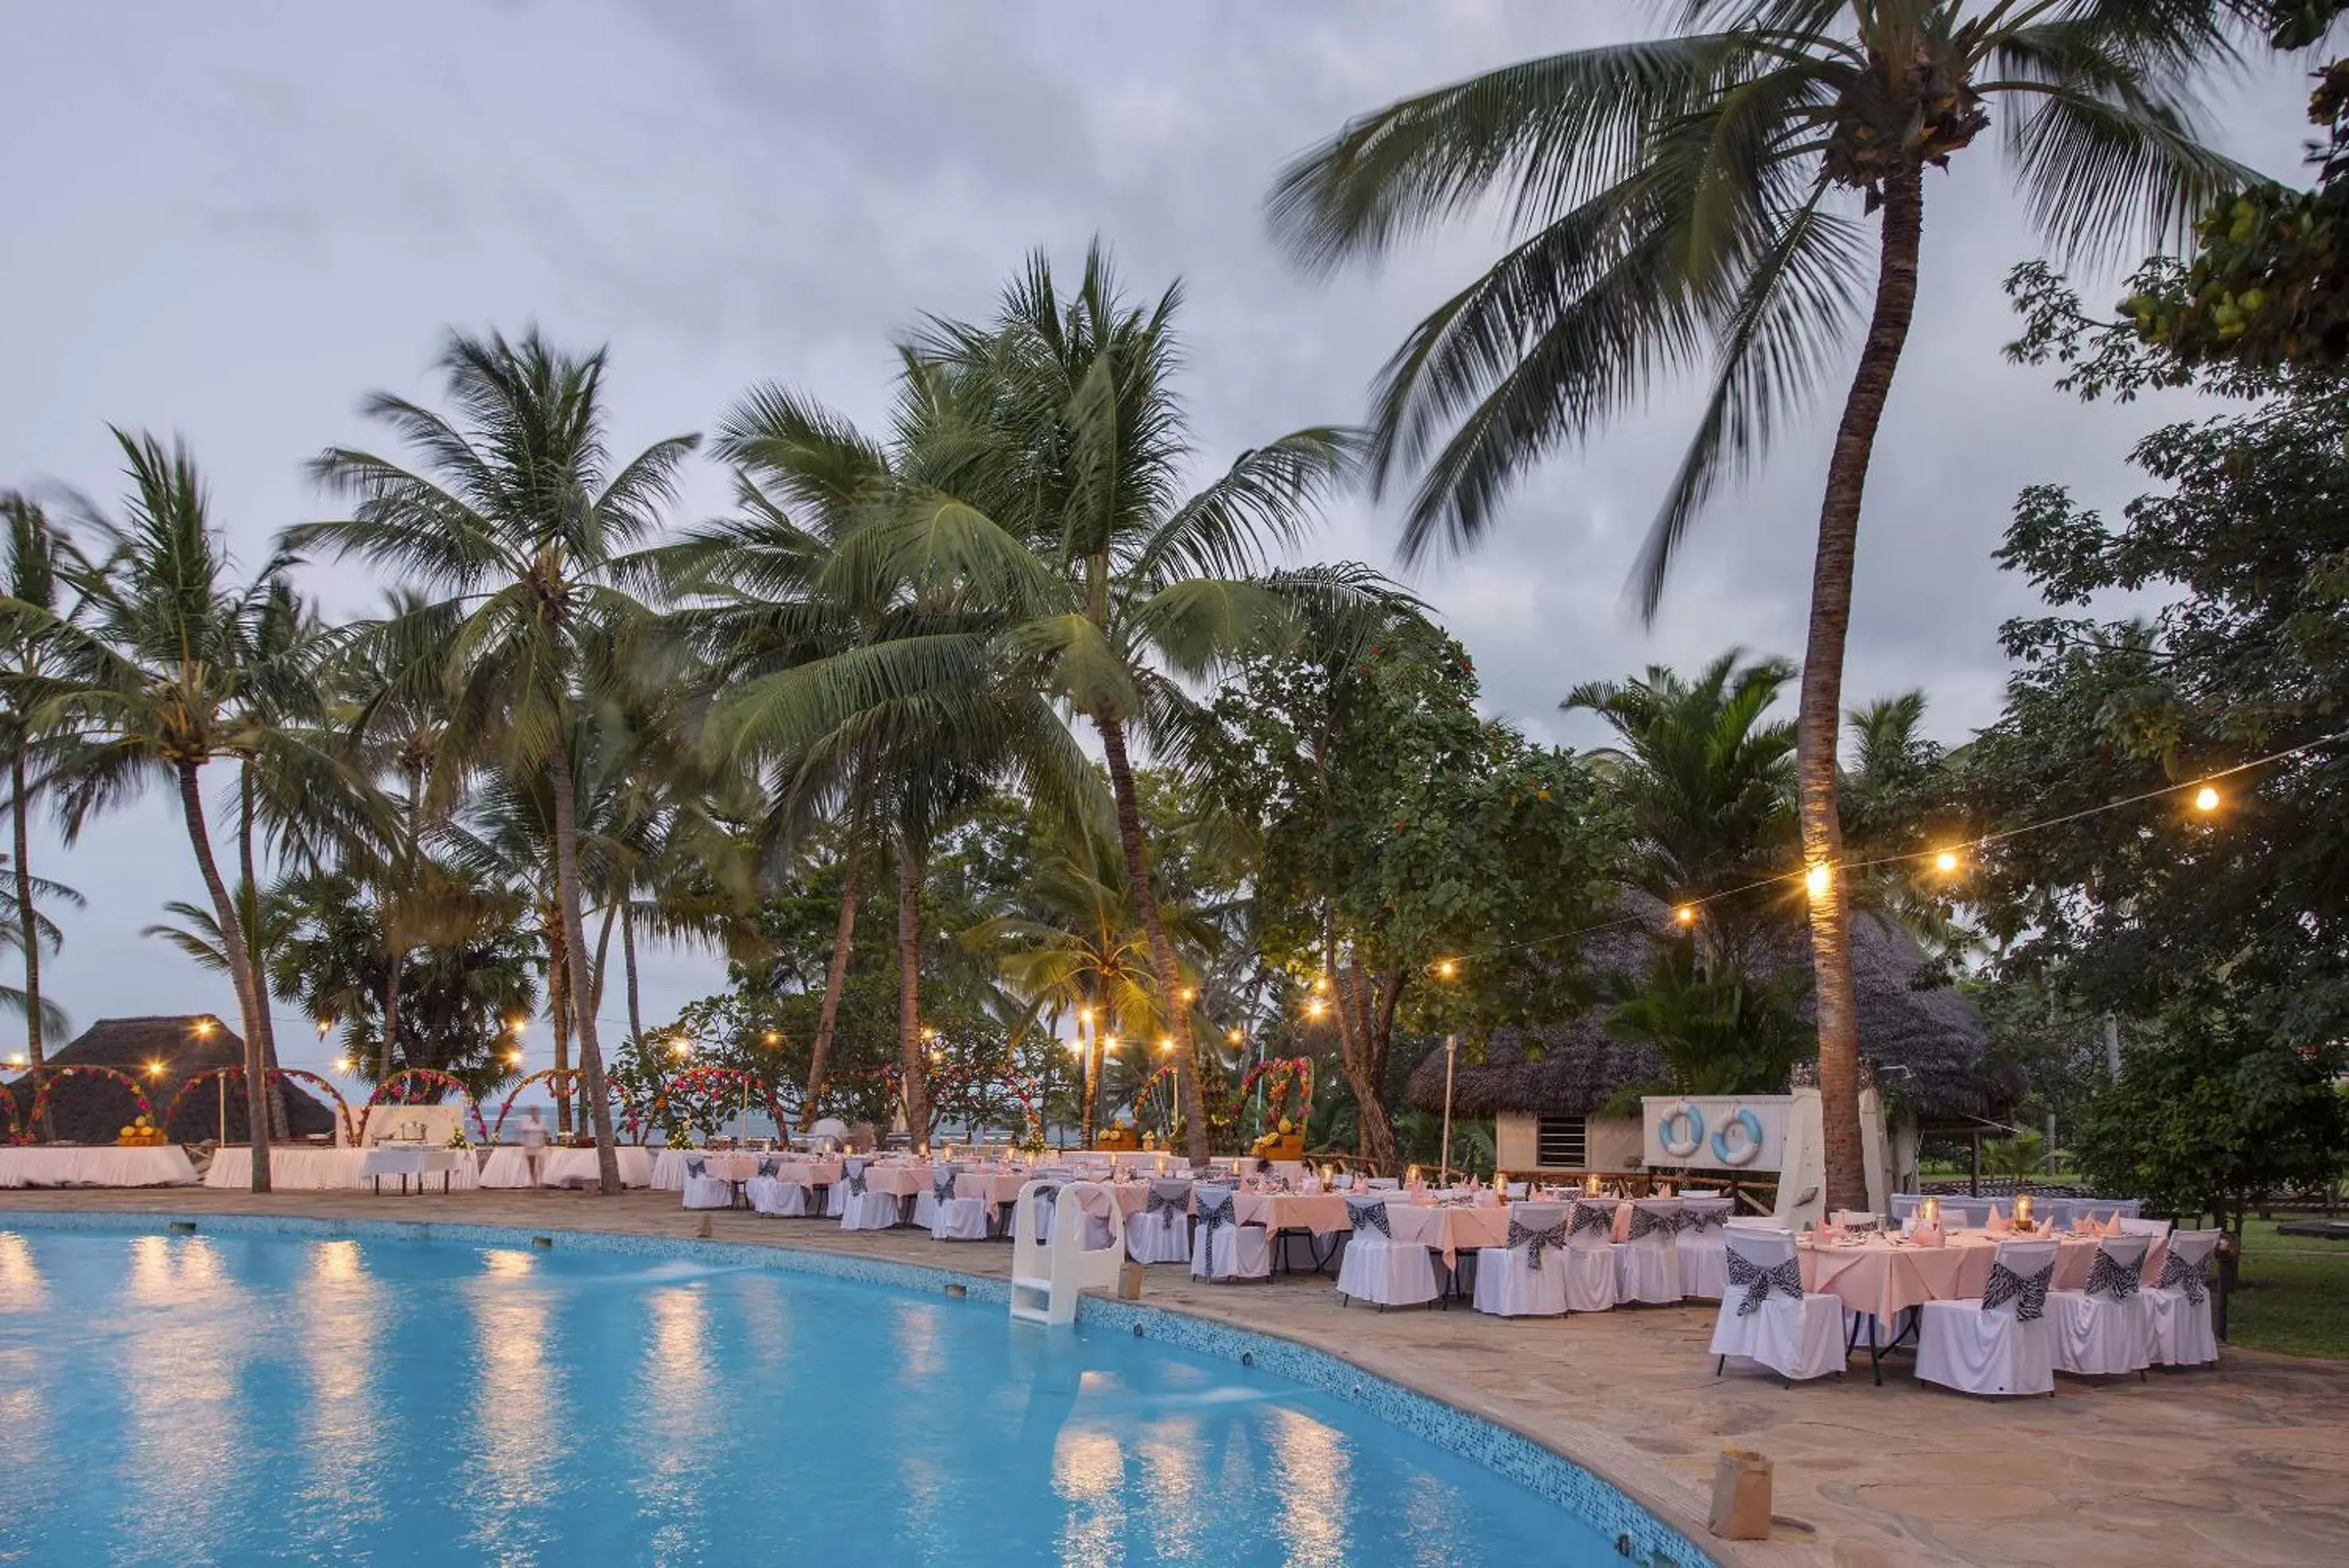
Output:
(1048, 1271)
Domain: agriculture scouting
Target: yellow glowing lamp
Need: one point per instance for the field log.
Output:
(1236, 1036)
(2022, 1211)
(1685, 914)
(342, 1064)
(1315, 1008)
(2205, 799)
(1946, 861)
(1590, 1185)
(1817, 879)
(155, 1069)
(514, 1058)
(1447, 968)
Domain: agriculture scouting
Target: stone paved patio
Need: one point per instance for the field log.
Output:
(2245, 1465)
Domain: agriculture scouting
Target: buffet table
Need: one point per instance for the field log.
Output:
(97, 1166)
(291, 1169)
(454, 1167)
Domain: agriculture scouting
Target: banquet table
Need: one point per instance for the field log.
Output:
(1884, 1277)
(97, 1166)
(1450, 1229)
(996, 1188)
(577, 1167)
(291, 1169)
(454, 1167)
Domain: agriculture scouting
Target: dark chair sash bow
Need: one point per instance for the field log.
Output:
(942, 1188)
(1588, 1218)
(1536, 1243)
(696, 1167)
(1165, 1205)
(2178, 1274)
(853, 1173)
(1761, 1284)
(2029, 1295)
(1705, 1218)
(1215, 1212)
(2111, 1278)
(1373, 1217)
(767, 1166)
(1647, 1222)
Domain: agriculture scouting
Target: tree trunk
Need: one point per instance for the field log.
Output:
(910, 1060)
(602, 955)
(1818, 726)
(239, 970)
(279, 1127)
(1089, 1037)
(558, 1007)
(1195, 1133)
(397, 958)
(836, 976)
(1364, 1046)
(575, 937)
(628, 963)
(29, 924)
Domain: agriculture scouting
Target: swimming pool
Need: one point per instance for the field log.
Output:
(226, 1398)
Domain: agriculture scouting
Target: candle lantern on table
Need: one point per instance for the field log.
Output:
(2023, 1220)
(1590, 1185)
(1928, 1214)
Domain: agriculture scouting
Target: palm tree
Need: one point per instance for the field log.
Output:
(1709, 781)
(1692, 192)
(157, 678)
(29, 569)
(1051, 470)
(517, 516)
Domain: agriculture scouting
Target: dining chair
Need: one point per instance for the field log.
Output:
(1766, 1315)
(1704, 1267)
(1377, 1269)
(2106, 1329)
(1648, 1265)
(2003, 1343)
(1160, 1230)
(703, 1190)
(2180, 1303)
(1221, 1247)
(1528, 1276)
(863, 1208)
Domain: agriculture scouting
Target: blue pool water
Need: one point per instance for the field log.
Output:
(239, 1398)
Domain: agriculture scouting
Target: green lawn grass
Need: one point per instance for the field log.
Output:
(2292, 1294)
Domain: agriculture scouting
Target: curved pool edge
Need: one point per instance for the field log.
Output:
(1658, 1531)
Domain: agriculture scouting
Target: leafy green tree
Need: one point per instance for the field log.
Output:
(1689, 195)
(1414, 857)
(30, 664)
(517, 516)
(1718, 1031)
(2213, 1115)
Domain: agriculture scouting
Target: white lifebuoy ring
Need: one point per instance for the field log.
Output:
(1683, 1112)
(1749, 1124)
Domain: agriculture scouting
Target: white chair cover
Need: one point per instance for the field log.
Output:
(1767, 1317)
(862, 1209)
(1591, 1254)
(2003, 1344)
(2180, 1303)
(1528, 1278)
(939, 1190)
(769, 1194)
(1704, 1267)
(1221, 1247)
(703, 1190)
(1160, 1232)
(1647, 1266)
(1377, 1269)
(2106, 1329)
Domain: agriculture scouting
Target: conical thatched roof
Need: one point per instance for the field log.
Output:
(1927, 1045)
(163, 1053)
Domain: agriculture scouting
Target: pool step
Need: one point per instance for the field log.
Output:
(1070, 1267)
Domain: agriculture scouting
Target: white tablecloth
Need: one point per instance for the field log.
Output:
(508, 1166)
(97, 1166)
(290, 1170)
(423, 1169)
(734, 1164)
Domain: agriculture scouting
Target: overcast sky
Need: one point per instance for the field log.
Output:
(229, 221)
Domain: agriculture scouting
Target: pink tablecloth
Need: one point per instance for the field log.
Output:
(1447, 1230)
(993, 1187)
(1321, 1212)
(1887, 1279)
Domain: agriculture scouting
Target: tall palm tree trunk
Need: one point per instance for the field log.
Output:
(575, 937)
(397, 959)
(1820, 722)
(279, 1127)
(836, 979)
(240, 970)
(628, 962)
(1162, 951)
(916, 1088)
(1089, 1036)
(29, 924)
(558, 1009)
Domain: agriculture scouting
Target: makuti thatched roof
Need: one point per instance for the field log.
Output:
(1927, 1045)
(86, 1108)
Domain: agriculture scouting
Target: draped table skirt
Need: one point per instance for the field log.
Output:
(97, 1166)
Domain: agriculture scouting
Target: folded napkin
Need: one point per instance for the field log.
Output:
(1927, 1236)
(2086, 1225)
(2113, 1225)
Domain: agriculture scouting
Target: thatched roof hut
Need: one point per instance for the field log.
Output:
(163, 1053)
(1927, 1044)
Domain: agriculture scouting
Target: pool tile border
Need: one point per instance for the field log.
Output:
(1540, 1469)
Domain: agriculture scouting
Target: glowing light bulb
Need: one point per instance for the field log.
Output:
(1946, 861)
(2205, 799)
(1166, 1043)
(1236, 1036)
(1817, 879)
(1447, 968)
(155, 1069)
(1322, 983)
(1315, 1008)
(1685, 914)
(515, 1025)
(774, 1037)
(514, 1058)
(1187, 994)
(342, 1064)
